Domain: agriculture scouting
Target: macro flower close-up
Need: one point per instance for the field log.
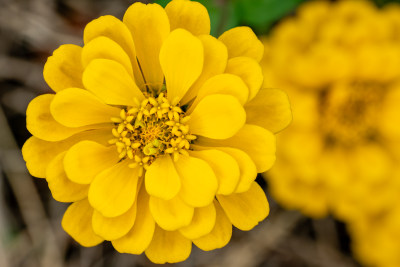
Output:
(339, 62)
(156, 131)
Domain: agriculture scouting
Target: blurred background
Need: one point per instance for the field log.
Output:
(312, 49)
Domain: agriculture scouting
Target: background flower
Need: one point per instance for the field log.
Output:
(340, 65)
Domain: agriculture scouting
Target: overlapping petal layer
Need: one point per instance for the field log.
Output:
(140, 20)
(147, 132)
(181, 58)
(64, 69)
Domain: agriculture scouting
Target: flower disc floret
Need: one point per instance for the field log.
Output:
(150, 129)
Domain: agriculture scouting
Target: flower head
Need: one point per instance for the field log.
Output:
(156, 132)
(340, 62)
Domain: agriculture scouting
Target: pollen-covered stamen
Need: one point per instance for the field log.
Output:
(149, 129)
(140, 162)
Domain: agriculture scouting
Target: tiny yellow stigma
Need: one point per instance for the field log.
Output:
(149, 129)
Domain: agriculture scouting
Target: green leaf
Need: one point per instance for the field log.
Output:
(233, 16)
(162, 3)
(215, 11)
(381, 3)
(261, 14)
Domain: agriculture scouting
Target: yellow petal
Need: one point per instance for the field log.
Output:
(110, 82)
(149, 26)
(64, 69)
(248, 170)
(63, 189)
(113, 191)
(215, 60)
(77, 222)
(105, 48)
(41, 123)
(270, 109)
(86, 159)
(390, 113)
(114, 29)
(171, 214)
(306, 105)
(116, 227)
(246, 210)
(191, 16)
(141, 234)
(202, 223)
(217, 116)
(249, 70)
(371, 162)
(220, 235)
(75, 107)
(227, 84)
(101, 136)
(168, 247)
(224, 166)
(257, 142)
(39, 153)
(199, 183)
(242, 42)
(181, 59)
(162, 180)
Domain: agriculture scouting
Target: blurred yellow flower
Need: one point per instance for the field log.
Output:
(340, 62)
(156, 132)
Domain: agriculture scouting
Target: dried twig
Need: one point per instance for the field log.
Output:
(30, 205)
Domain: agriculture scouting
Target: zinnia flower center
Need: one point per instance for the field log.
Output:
(349, 112)
(149, 129)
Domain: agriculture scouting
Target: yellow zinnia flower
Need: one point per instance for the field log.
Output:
(340, 64)
(156, 132)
